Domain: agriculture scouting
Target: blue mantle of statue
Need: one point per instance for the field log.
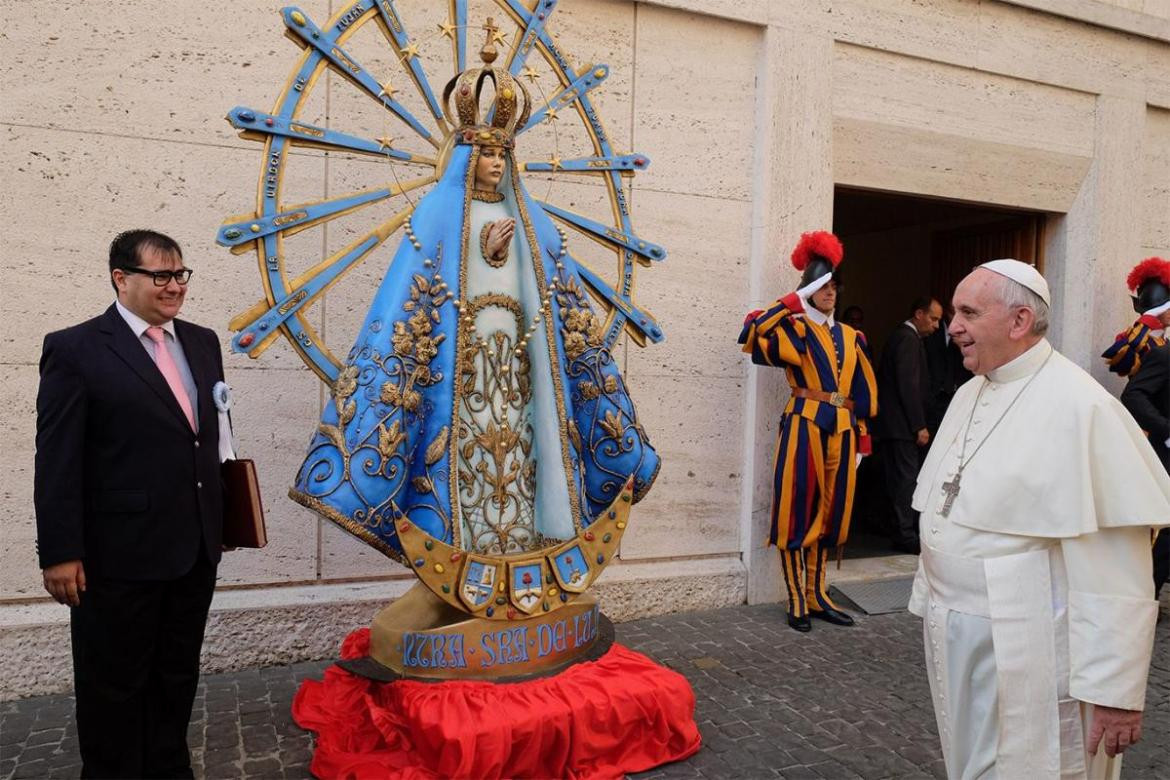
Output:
(387, 447)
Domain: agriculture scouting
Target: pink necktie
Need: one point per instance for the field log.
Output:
(170, 372)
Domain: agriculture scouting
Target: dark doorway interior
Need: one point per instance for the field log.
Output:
(898, 248)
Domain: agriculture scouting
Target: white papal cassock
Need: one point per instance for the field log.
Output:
(1036, 590)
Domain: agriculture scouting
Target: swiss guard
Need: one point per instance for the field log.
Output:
(1149, 285)
(823, 431)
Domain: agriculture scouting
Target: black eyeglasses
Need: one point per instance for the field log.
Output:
(162, 278)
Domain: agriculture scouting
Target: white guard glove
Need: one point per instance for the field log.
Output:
(806, 292)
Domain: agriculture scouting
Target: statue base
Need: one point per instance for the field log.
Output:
(619, 714)
(419, 636)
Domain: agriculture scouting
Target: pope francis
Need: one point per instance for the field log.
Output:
(1034, 583)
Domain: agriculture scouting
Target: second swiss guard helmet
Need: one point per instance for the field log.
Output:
(1149, 283)
(819, 252)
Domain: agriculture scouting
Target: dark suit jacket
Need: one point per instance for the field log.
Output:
(944, 364)
(1147, 397)
(122, 482)
(903, 385)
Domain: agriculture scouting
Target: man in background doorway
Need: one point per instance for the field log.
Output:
(944, 363)
(900, 428)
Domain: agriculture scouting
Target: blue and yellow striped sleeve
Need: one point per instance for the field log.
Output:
(864, 393)
(1125, 355)
(773, 337)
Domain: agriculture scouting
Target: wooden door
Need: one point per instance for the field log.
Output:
(955, 252)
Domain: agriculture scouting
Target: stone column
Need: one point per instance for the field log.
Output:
(1092, 246)
(793, 193)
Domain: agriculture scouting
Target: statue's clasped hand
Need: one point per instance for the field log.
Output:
(499, 237)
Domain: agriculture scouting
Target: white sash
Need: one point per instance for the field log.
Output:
(1016, 593)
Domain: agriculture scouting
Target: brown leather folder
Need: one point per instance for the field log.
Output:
(243, 513)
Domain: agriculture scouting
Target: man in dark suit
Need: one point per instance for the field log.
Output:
(129, 508)
(900, 427)
(1147, 397)
(944, 364)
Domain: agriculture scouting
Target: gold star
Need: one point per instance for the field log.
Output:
(410, 51)
(555, 162)
(385, 142)
(498, 37)
(388, 90)
(448, 29)
(530, 73)
(550, 115)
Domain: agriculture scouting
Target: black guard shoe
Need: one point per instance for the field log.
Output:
(834, 616)
(801, 624)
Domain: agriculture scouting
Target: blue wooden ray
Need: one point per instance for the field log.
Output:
(250, 120)
(607, 234)
(402, 41)
(581, 85)
(304, 294)
(302, 27)
(246, 231)
(534, 24)
(619, 162)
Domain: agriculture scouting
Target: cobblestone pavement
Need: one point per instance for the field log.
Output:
(836, 703)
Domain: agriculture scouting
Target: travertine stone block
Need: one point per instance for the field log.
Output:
(904, 159)
(902, 91)
(1156, 192)
(694, 423)
(793, 157)
(166, 71)
(20, 574)
(1099, 240)
(698, 294)
(268, 404)
(698, 135)
(72, 192)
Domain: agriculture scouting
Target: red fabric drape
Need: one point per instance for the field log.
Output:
(600, 719)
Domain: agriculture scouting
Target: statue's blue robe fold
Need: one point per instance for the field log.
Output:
(385, 447)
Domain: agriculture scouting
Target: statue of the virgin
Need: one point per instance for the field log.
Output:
(479, 402)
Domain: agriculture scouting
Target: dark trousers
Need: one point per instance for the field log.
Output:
(901, 460)
(1161, 559)
(136, 647)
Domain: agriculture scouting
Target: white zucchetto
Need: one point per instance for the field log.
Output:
(1023, 273)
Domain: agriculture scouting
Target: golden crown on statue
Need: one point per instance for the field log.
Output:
(508, 111)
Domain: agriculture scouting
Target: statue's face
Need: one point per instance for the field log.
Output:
(489, 169)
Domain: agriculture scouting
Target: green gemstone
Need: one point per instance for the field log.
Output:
(500, 600)
(607, 537)
(446, 588)
(429, 544)
(232, 234)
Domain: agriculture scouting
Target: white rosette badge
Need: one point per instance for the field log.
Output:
(222, 395)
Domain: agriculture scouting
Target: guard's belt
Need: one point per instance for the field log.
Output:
(836, 399)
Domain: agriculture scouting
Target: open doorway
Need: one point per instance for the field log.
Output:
(899, 248)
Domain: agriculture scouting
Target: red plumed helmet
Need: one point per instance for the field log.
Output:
(817, 243)
(1150, 268)
(1150, 283)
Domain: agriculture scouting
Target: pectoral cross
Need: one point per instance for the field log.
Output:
(951, 489)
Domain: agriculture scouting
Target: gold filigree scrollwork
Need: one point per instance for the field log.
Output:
(614, 428)
(380, 443)
(497, 467)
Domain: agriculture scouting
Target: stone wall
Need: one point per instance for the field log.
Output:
(751, 110)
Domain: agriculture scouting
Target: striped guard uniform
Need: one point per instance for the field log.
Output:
(815, 473)
(1125, 356)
